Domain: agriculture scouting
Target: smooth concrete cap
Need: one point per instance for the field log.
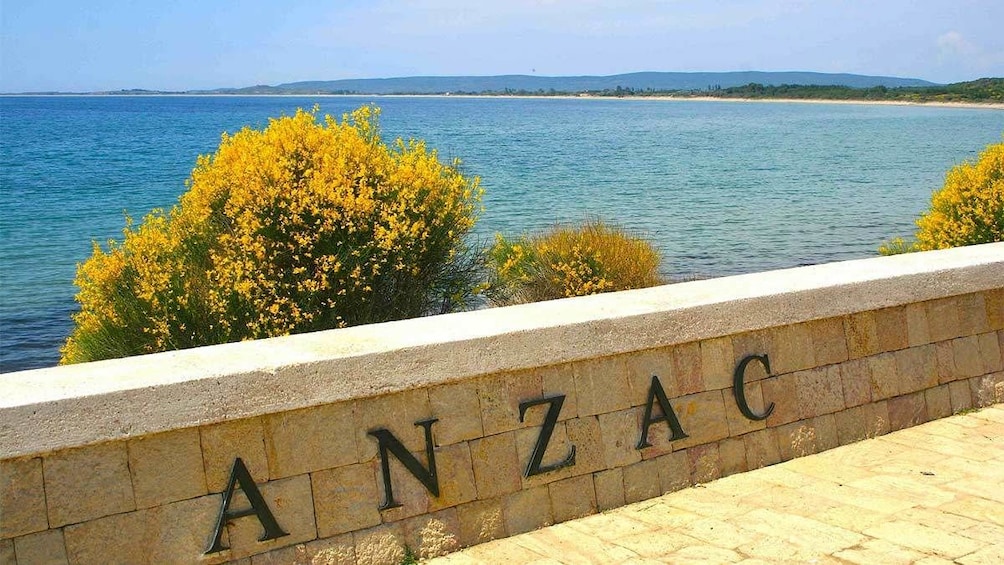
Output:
(48, 409)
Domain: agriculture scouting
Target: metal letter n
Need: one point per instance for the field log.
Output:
(390, 444)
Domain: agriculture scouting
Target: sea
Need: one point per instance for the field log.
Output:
(719, 187)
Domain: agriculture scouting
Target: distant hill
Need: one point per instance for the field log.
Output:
(529, 83)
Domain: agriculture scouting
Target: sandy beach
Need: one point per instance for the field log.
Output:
(971, 105)
(976, 105)
(980, 105)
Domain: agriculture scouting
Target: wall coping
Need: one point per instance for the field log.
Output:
(55, 408)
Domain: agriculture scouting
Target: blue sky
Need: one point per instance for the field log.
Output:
(183, 44)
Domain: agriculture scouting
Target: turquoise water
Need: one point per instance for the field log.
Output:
(720, 187)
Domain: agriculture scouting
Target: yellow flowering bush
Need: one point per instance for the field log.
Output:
(968, 210)
(567, 261)
(305, 225)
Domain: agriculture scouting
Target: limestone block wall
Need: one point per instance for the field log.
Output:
(536, 414)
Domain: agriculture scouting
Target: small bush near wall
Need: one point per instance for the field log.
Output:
(300, 227)
(570, 261)
(968, 210)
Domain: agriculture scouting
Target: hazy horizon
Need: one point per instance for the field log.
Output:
(61, 45)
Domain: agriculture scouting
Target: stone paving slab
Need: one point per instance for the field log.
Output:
(929, 494)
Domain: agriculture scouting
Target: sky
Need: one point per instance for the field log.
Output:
(101, 45)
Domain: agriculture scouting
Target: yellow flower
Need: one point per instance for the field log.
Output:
(281, 230)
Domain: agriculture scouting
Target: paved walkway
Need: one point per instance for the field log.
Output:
(927, 495)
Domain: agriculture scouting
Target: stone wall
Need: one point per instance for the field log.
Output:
(539, 414)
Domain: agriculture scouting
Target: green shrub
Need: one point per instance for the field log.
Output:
(564, 261)
(967, 210)
(299, 227)
(897, 246)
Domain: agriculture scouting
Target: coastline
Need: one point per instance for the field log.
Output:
(966, 105)
(979, 105)
(970, 105)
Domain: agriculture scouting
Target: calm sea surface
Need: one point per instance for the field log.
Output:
(720, 187)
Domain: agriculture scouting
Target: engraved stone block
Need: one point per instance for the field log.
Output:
(917, 368)
(717, 363)
(397, 413)
(885, 376)
(856, 377)
(828, 342)
(943, 319)
(738, 423)
(782, 391)
(167, 467)
(945, 362)
(560, 379)
(966, 352)
(861, 333)
(705, 463)
(87, 483)
(22, 497)
(820, 391)
(609, 487)
(797, 439)
(43, 548)
(990, 353)
(301, 441)
(585, 435)
(481, 521)
(524, 511)
(732, 452)
(346, 498)
(456, 477)
(572, 498)
(459, 412)
(891, 328)
(674, 471)
(960, 395)
(433, 535)
(643, 365)
(761, 448)
(685, 368)
(917, 328)
(907, 410)
(179, 532)
(380, 545)
(500, 396)
(641, 481)
(497, 469)
(702, 417)
(753, 343)
(972, 314)
(292, 504)
(795, 350)
(601, 385)
(939, 402)
(620, 437)
(223, 443)
(993, 300)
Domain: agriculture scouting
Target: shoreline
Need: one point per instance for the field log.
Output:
(975, 105)
(661, 98)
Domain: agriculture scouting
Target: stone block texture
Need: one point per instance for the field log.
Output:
(832, 381)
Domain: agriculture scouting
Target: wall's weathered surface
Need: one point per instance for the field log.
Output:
(125, 461)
